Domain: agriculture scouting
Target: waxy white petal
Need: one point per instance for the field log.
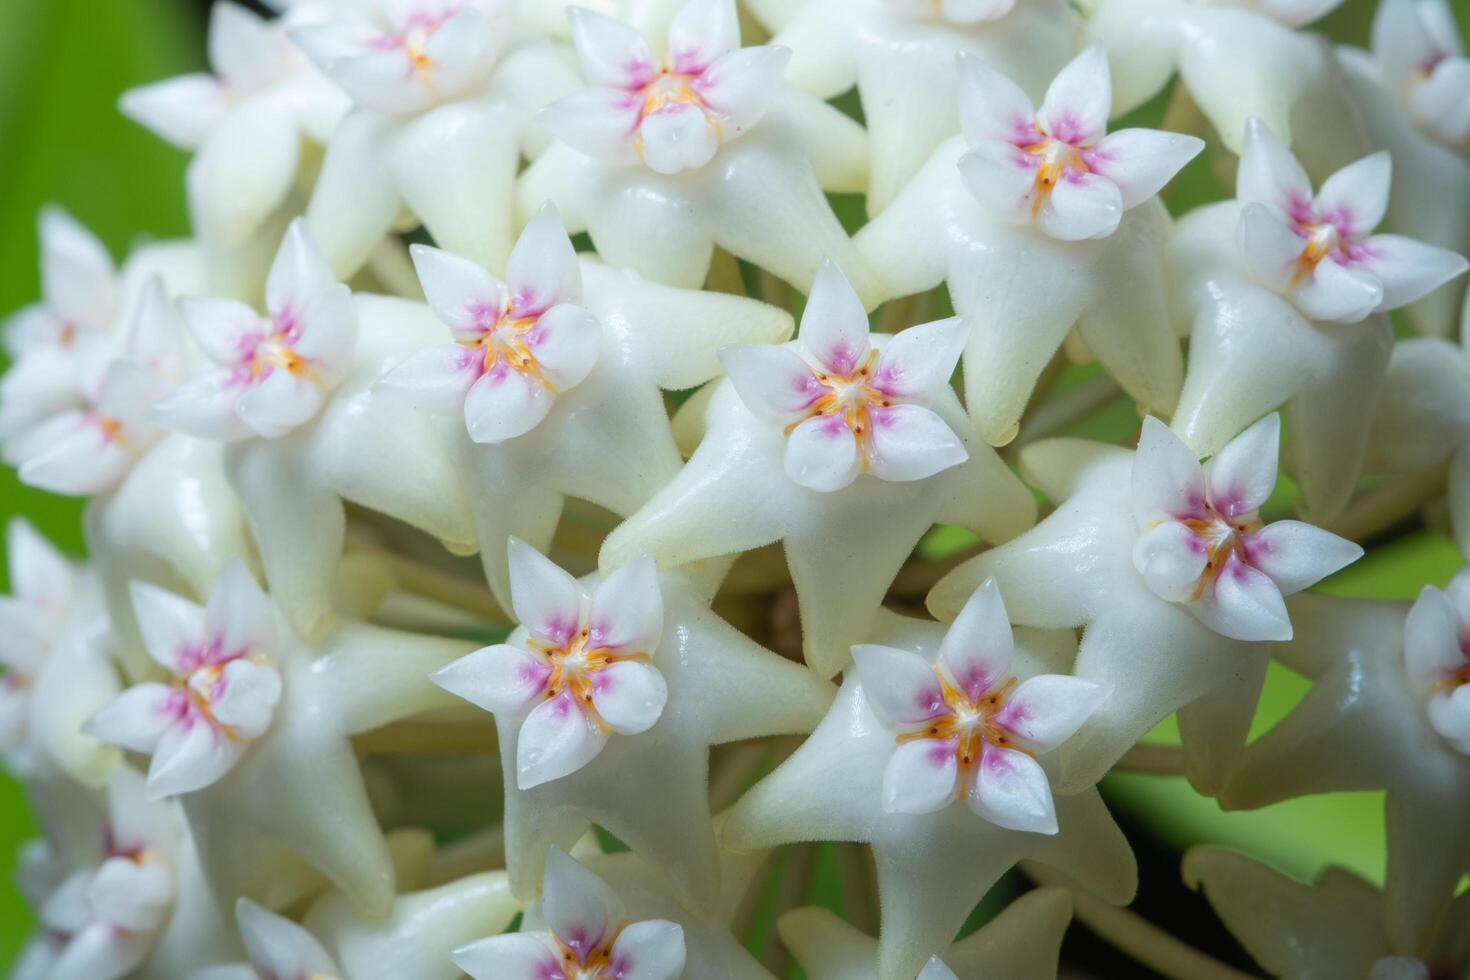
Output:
(132, 896)
(546, 600)
(910, 442)
(278, 947)
(742, 85)
(513, 956)
(1336, 292)
(1408, 268)
(557, 738)
(1240, 477)
(602, 123)
(436, 378)
(650, 950)
(239, 613)
(226, 330)
(676, 138)
(834, 325)
(244, 48)
(919, 361)
(1168, 481)
(992, 107)
(180, 110)
(977, 648)
(900, 685)
(579, 907)
(1449, 715)
(137, 718)
(1002, 178)
(566, 342)
(1431, 640)
(1141, 161)
(1243, 605)
(189, 756)
(1356, 197)
(1171, 558)
(543, 269)
(1297, 555)
(702, 31)
(1046, 710)
(1268, 173)
(1078, 100)
(173, 628)
(247, 697)
(498, 678)
(504, 404)
(629, 696)
(627, 612)
(1081, 206)
(920, 776)
(822, 454)
(298, 273)
(462, 294)
(204, 407)
(1012, 791)
(280, 402)
(77, 276)
(1270, 248)
(773, 381)
(612, 53)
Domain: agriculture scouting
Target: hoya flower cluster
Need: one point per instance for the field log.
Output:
(464, 495)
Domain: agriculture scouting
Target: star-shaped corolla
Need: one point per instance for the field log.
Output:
(584, 670)
(607, 686)
(1058, 168)
(290, 394)
(901, 56)
(664, 157)
(335, 941)
(1379, 668)
(259, 744)
(1416, 57)
(271, 373)
(1078, 567)
(1256, 276)
(756, 479)
(1333, 927)
(1023, 942)
(965, 727)
(244, 120)
(984, 214)
(517, 343)
(1320, 251)
(1203, 544)
(224, 687)
(558, 393)
(587, 937)
(109, 915)
(1236, 60)
(1418, 46)
(445, 97)
(847, 407)
(87, 450)
(1437, 658)
(932, 867)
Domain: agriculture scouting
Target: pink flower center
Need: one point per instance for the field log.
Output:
(576, 666)
(1055, 160)
(413, 38)
(671, 89)
(1221, 539)
(970, 722)
(507, 341)
(856, 399)
(584, 958)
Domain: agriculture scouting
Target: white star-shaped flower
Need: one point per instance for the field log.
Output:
(548, 384)
(54, 664)
(1405, 94)
(607, 700)
(1423, 420)
(1332, 927)
(1237, 59)
(445, 95)
(1258, 275)
(1023, 942)
(1386, 710)
(290, 393)
(901, 56)
(244, 120)
(965, 727)
(932, 867)
(1040, 222)
(333, 940)
(254, 733)
(1168, 571)
(87, 450)
(587, 937)
(666, 156)
(224, 687)
(846, 447)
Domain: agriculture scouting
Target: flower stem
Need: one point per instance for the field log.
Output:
(1066, 409)
(1390, 503)
(390, 265)
(1136, 936)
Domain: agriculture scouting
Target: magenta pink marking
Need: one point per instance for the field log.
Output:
(1069, 129)
(971, 678)
(557, 630)
(940, 754)
(1014, 715)
(995, 760)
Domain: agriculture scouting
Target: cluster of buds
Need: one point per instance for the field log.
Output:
(434, 620)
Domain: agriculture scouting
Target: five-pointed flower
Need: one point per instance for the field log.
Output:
(606, 682)
(846, 406)
(445, 95)
(224, 689)
(1156, 654)
(1437, 658)
(1201, 539)
(1023, 942)
(965, 727)
(1332, 927)
(1418, 46)
(762, 474)
(244, 121)
(932, 867)
(1379, 668)
(666, 156)
(110, 914)
(587, 937)
(517, 343)
(901, 56)
(87, 450)
(1319, 251)
(271, 373)
(1058, 168)
(673, 113)
(580, 672)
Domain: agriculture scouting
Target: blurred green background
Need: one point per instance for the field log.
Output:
(63, 64)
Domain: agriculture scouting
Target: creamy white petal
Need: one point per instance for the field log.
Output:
(834, 325)
(547, 600)
(1002, 177)
(297, 274)
(279, 947)
(1243, 605)
(513, 956)
(1268, 173)
(1142, 161)
(173, 628)
(180, 110)
(650, 950)
(920, 776)
(1337, 292)
(436, 378)
(138, 717)
(612, 53)
(501, 677)
(462, 294)
(822, 454)
(226, 330)
(1168, 481)
(910, 442)
(1356, 197)
(566, 342)
(204, 407)
(280, 402)
(742, 85)
(1012, 791)
(629, 696)
(627, 612)
(246, 698)
(677, 137)
(579, 907)
(1171, 558)
(992, 107)
(1047, 709)
(919, 361)
(1431, 640)
(1240, 477)
(1078, 100)
(189, 756)
(773, 381)
(1081, 206)
(556, 739)
(1297, 555)
(976, 649)
(702, 31)
(1408, 268)
(1271, 250)
(900, 686)
(504, 404)
(543, 269)
(602, 123)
